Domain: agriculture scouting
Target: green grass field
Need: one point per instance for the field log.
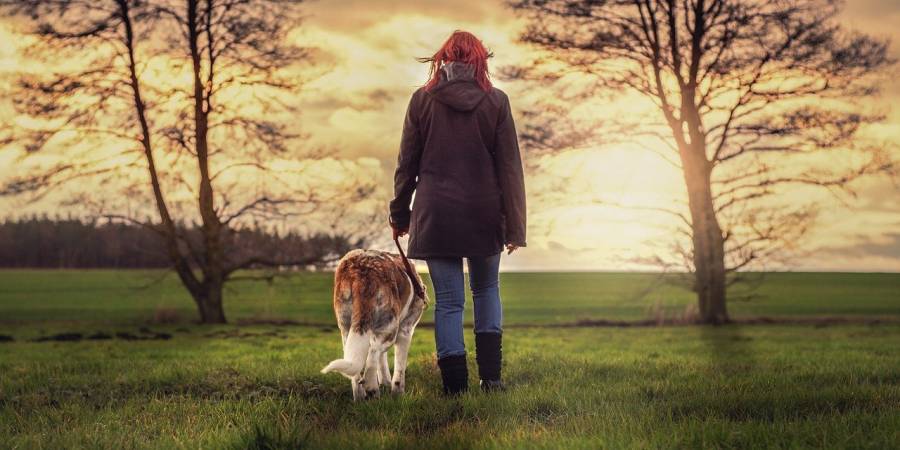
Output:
(117, 297)
(258, 386)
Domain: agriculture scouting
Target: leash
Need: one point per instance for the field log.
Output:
(413, 278)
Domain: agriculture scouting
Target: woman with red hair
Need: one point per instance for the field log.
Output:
(460, 154)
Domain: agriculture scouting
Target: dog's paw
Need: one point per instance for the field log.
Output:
(359, 392)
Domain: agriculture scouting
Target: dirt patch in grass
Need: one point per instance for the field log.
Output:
(60, 337)
(823, 321)
(126, 336)
(100, 336)
(238, 334)
(818, 321)
(274, 321)
(814, 321)
(143, 334)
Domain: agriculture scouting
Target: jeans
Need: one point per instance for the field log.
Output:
(449, 284)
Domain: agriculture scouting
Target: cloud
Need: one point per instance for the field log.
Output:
(857, 253)
(356, 108)
(355, 14)
(886, 246)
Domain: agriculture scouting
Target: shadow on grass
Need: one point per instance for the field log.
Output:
(729, 350)
(388, 422)
(269, 438)
(744, 385)
(216, 385)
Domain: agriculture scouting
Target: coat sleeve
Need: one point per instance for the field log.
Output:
(509, 172)
(407, 173)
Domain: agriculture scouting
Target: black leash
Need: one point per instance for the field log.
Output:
(413, 278)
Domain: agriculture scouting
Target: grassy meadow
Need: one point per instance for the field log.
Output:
(132, 382)
(116, 297)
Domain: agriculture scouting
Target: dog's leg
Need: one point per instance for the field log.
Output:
(356, 386)
(401, 350)
(358, 380)
(384, 374)
(354, 380)
(370, 374)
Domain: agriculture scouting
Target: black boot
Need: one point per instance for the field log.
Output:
(488, 353)
(454, 373)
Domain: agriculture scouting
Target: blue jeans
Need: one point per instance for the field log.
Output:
(450, 300)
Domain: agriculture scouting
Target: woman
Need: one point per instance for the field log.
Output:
(460, 154)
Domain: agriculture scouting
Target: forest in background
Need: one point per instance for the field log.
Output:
(66, 242)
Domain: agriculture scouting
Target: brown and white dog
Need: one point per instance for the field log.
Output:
(376, 307)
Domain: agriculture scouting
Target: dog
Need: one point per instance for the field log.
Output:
(376, 307)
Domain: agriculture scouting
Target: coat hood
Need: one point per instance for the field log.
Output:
(457, 88)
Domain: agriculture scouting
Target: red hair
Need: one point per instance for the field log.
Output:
(464, 47)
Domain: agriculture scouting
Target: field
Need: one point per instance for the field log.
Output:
(117, 297)
(139, 383)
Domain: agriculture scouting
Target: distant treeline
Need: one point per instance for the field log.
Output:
(42, 242)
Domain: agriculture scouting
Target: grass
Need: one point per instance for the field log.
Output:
(691, 387)
(116, 297)
(258, 386)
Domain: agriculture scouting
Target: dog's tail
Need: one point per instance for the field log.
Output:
(356, 350)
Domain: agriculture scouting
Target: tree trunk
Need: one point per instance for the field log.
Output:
(209, 303)
(708, 242)
(169, 231)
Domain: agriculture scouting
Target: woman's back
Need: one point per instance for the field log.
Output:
(459, 153)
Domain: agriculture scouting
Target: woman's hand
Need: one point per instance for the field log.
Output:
(398, 233)
(511, 248)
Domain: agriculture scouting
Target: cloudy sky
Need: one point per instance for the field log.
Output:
(357, 108)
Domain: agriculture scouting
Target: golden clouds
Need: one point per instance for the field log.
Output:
(355, 109)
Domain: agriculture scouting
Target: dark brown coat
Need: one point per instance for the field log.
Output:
(460, 154)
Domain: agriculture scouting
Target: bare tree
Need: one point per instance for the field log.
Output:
(193, 93)
(751, 97)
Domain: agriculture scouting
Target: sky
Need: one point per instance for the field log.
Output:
(357, 107)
